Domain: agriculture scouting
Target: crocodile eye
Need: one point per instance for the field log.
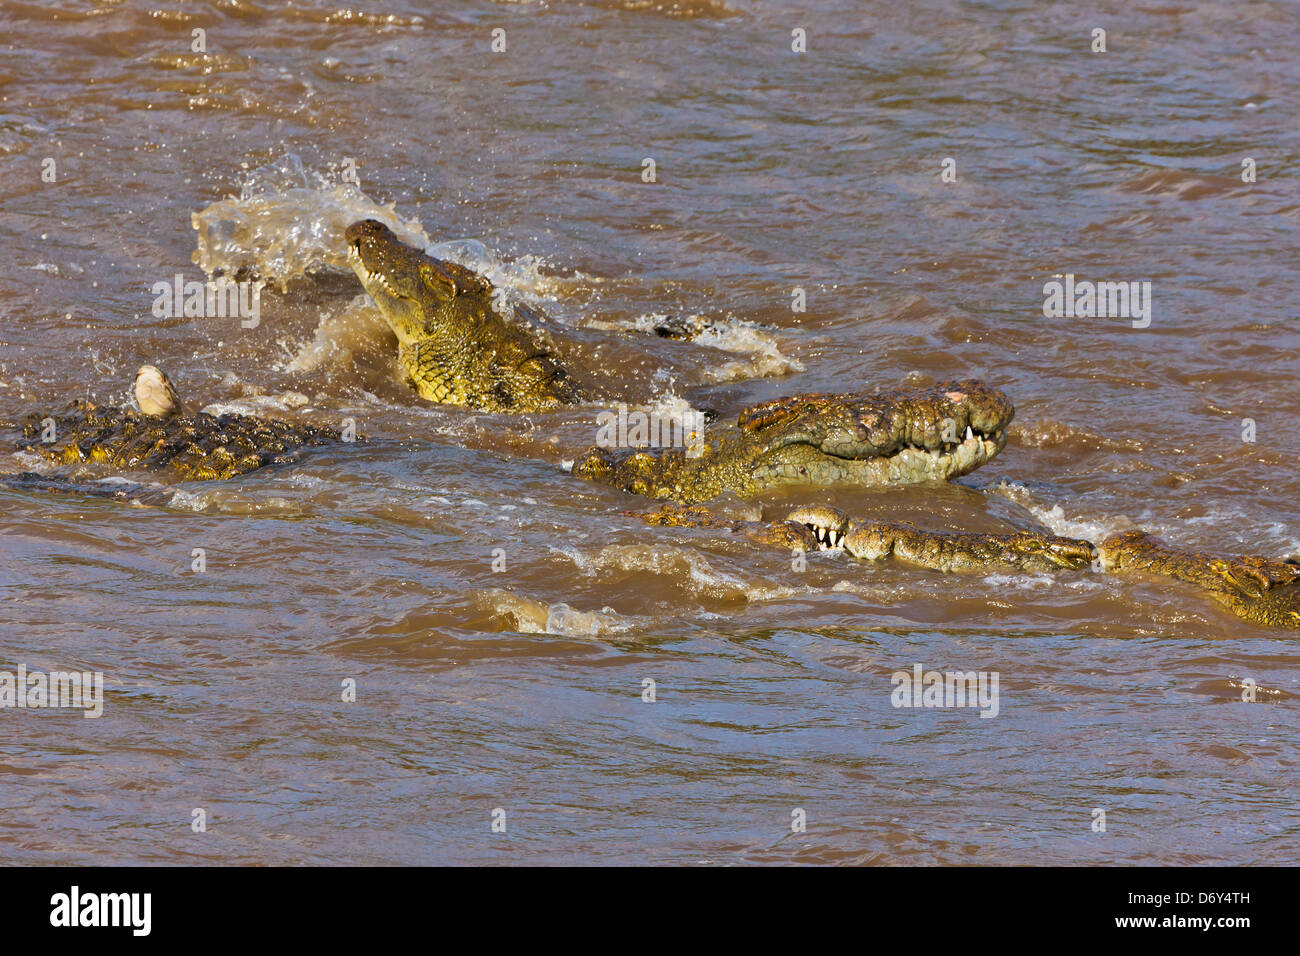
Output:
(439, 283)
(449, 279)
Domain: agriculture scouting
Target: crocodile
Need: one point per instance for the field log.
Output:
(452, 339)
(1260, 590)
(458, 348)
(866, 439)
(161, 436)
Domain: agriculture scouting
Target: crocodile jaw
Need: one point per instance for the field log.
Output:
(404, 315)
(803, 464)
(727, 465)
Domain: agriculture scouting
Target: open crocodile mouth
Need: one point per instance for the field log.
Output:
(975, 448)
(828, 539)
(829, 525)
(879, 438)
(910, 463)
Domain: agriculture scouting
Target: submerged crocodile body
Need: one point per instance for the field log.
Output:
(459, 350)
(1257, 589)
(162, 437)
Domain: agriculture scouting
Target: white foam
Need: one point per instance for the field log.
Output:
(1055, 519)
(675, 563)
(765, 358)
(289, 219)
(1039, 582)
(1227, 529)
(336, 334)
(531, 616)
(564, 620)
(257, 404)
(231, 502)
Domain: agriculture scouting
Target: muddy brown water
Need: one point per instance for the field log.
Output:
(500, 618)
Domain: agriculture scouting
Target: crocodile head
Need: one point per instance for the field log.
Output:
(865, 439)
(452, 341)
(414, 291)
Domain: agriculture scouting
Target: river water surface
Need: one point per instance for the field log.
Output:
(500, 618)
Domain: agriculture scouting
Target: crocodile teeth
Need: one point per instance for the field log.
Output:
(828, 538)
(371, 277)
(969, 433)
(378, 277)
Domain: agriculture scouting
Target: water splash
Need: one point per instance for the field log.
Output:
(288, 220)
